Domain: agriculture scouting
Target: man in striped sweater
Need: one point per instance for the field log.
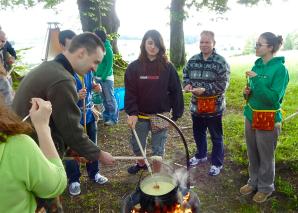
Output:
(206, 75)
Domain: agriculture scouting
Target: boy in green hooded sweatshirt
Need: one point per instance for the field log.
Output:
(104, 76)
(266, 88)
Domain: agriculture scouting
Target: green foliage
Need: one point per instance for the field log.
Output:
(19, 68)
(119, 70)
(252, 2)
(285, 187)
(119, 63)
(28, 3)
(248, 208)
(219, 6)
(291, 41)
(104, 6)
(288, 190)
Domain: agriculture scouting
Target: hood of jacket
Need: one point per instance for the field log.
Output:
(107, 44)
(273, 61)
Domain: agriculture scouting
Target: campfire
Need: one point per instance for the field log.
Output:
(188, 204)
(175, 208)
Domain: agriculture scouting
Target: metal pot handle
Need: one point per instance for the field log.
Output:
(184, 143)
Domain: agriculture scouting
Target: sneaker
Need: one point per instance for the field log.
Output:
(136, 168)
(214, 170)
(74, 188)
(110, 123)
(246, 189)
(100, 178)
(261, 197)
(195, 161)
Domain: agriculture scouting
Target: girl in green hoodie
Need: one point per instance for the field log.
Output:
(264, 94)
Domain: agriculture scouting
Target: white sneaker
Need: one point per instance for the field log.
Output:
(195, 161)
(100, 178)
(214, 170)
(109, 123)
(74, 188)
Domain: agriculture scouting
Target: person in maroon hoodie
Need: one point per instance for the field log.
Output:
(152, 86)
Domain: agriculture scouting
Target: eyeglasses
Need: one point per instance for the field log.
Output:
(258, 45)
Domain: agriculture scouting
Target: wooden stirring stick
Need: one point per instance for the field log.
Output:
(26, 117)
(115, 157)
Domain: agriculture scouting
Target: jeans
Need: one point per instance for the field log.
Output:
(111, 111)
(72, 167)
(214, 125)
(158, 139)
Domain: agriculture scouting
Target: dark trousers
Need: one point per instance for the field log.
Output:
(214, 125)
(72, 167)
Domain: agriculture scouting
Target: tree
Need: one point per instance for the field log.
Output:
(177, 47)
(111, 23)
(178, 14)
(90, 14)
(94, 14)
(291, 41)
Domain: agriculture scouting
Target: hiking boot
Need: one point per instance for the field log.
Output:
(136, 168)
(100, 179)
(74, 188)
(214, 170)
(261, 197)
(246, 189)
(195, 161)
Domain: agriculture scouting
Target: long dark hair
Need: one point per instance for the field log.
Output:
(158, 41)
(272, 40)
(11, 124)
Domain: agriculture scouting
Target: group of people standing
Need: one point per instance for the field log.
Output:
(152, 86)
(57, 96)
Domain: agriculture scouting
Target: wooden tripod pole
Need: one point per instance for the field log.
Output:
(84, 106)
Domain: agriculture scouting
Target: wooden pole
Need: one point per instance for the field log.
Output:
(115, 157)
(84, 107)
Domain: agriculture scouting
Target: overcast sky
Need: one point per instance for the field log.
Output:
(137, 16)
(28, 27)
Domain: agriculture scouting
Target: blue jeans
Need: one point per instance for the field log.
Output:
(111, 111)
(158, 138)
(72, 167)
(214, 125)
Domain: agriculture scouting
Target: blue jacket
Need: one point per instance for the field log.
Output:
(88, 100)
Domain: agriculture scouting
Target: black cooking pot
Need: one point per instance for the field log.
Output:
(158, 191)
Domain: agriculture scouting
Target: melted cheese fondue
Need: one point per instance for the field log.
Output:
(157, 188)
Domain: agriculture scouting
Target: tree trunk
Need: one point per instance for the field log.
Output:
(111, 23)
(177, 48)
(89, 14)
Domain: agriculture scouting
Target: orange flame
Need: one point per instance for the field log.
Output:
(177, 208)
